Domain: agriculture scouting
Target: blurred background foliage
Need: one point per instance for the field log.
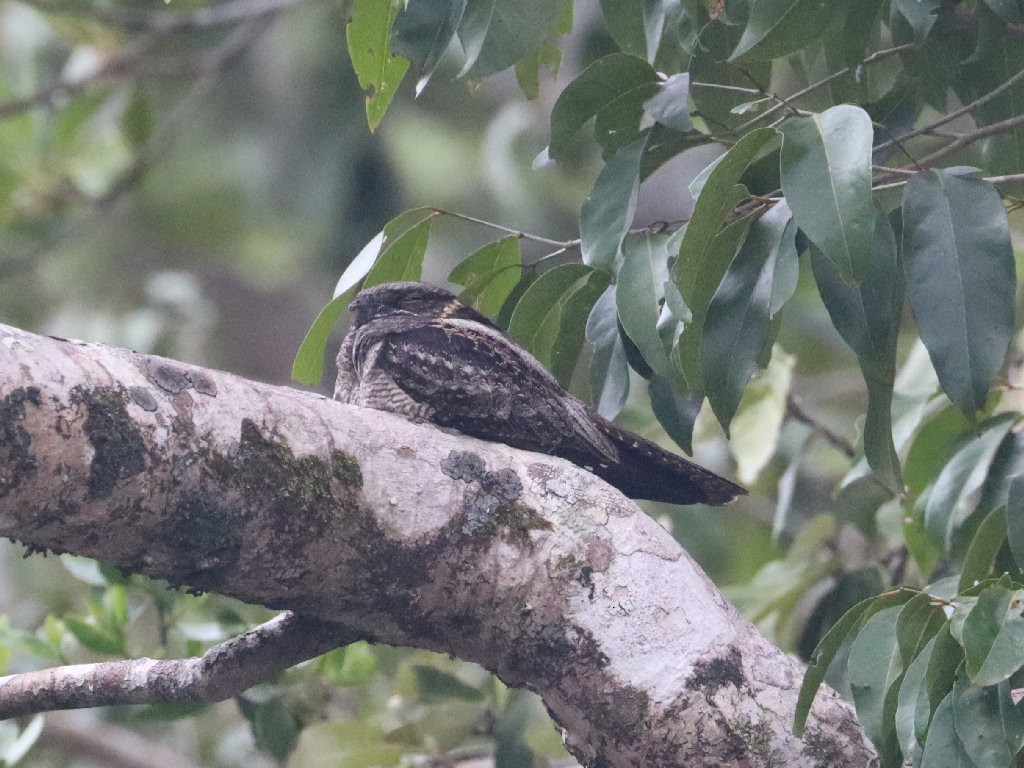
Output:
(190, 184)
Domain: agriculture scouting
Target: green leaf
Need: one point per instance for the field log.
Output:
(378, 71)
(576, 310)
(635, 26)
(308, 366)
(495, 35)
(993, 635)
(676, 412)
(669, 105)
(875, 668)
(946, 658)
(640, 279)
(757, 426)
(960, 279)
(354, 664)
(422, 31)
(536, 320)
(94, 638)
(274, 728)
(919, 621)
(718, 86)
(913, 709)
(777, 27)
(980, 714)
(868, 318)
(956, 491)
(435, 685)
(1010, 11)
(830, 644)
(609, 371)
(1015, 520)
(489, 275)
(943, 748)
(608, 211)
(365, 260)
(981, 554)
(826, 178)
(614, 83)
(737, 321)
(921, 15)
(402, 258)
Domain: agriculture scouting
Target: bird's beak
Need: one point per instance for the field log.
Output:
(357, 303)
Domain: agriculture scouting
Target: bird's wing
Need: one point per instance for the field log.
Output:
(481, 383)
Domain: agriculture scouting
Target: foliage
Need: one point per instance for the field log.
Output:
(868, 153)
(831, 159)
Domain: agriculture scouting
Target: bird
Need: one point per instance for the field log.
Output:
(414, 349)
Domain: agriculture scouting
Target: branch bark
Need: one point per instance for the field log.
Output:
(406, 535)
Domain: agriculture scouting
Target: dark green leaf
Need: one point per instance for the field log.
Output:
(993, 635)
(676, 412)
(875, 670)
(960, 279)
(921, 15)
(826, 177)
(868, 318)
(598, 88)
(778, 27)
(635, 25)
(608, 211)
(402, 259)
(640, 279)
(943, 748)
(536, 320)
(308, 366)
(423, 30)
(669, 105)
(978, 714)
(394, 230)
(1015, 520)
(945, 660)
(919, 621)
(933, 446)
(378, 71)
(576, 310)
(611, 87)
(609, 371)
(913, 709)
(713, 79)
(830, 645)
(1010, 11)
(984, 547)
(435, 685)
(495, 35)
(275, 728)
(954, 496)
(737, 321)
(489, 275)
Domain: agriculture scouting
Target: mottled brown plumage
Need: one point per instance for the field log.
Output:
(416, 350)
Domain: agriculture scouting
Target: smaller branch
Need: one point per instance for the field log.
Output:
(563, 244)
(722, 87)
(837, 441)
(876, 56)
(930, 128)
(224, 671)
(1010, 178)
(966, 139)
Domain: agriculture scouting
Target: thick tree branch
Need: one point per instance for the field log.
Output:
(523, 563)
(225, 670)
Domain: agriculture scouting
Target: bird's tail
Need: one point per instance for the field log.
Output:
(647, 471)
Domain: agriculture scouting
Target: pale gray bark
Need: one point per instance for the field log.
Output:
(406, 535)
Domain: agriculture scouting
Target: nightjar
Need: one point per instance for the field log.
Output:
(416, 350)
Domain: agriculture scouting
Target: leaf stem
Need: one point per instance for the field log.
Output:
(562, 244)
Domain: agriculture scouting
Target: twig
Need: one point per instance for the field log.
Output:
(993, 129)
(876, 56)
(563, 244)
(223, 671)
(837, 441)
(1010, 178)
(929, 129)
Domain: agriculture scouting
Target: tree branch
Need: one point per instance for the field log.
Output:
(523, 563)
(224, 671)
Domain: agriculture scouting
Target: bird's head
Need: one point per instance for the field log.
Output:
(420, 299)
